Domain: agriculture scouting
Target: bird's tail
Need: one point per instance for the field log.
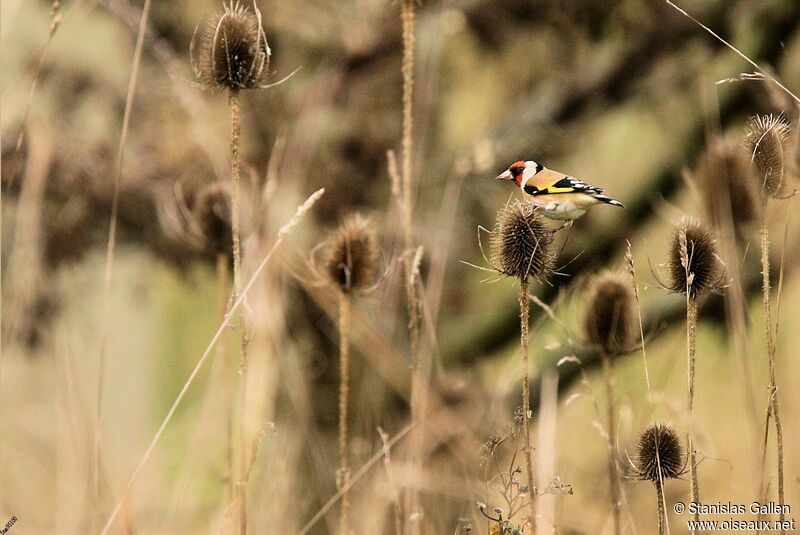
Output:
(608, 200)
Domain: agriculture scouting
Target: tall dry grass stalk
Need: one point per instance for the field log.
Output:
(413, 513)
(522, 249)
(767, 138)
(694, 269)
(109, 267)
(659, 457)
(631, 268)
(350, 266)
(233, 55)
(608, 325)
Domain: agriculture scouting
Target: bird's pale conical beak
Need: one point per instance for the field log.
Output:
(504, 176)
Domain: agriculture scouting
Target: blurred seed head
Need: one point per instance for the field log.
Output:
(694, 266)
(212, 215)
(767, 139)
(350, 257)
(610, 314)
(660, 455)
(232, 51)
(521, 243)
(724, 172)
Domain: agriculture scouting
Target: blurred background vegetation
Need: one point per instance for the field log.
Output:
(622, 93)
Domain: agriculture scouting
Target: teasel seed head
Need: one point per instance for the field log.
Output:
(767, 139)
(232, 50)
(660, 454)
(351, 254)
(521, 243)
(212, 215)
(694, 266)
(610, 314)
(724, 169)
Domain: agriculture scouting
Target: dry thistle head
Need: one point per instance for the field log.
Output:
(610, 314)
(660, 454)
(767, 139)
(724, 169)
(694, 266)
(522, 243)
(350, 257)
(212, 215)
(233, 53)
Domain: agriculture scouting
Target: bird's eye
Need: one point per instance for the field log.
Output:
(516, 170)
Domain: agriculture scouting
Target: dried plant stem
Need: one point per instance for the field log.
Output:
(691, 345)
(634, 282)
(234, 101)
(344, 391)
(613, 476)
(662, 515)
(224, 296)
(524, 296)
(774, 407)
(407, 8)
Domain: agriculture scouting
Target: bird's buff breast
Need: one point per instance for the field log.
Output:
(555, 208)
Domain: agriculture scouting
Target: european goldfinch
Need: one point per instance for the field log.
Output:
(559, 196)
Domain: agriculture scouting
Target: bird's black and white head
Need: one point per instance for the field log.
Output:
(520, 171)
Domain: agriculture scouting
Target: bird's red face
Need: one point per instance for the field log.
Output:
(515, 171)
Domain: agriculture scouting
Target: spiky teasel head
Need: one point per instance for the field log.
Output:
(660, 454)
(694, 266)
(521, 243)
(610, 314)
(350, 256)
(724, 170)
(212, 217)
(231, 51)
(767, 139)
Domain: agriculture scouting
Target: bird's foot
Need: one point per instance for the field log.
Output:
(566, 224)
